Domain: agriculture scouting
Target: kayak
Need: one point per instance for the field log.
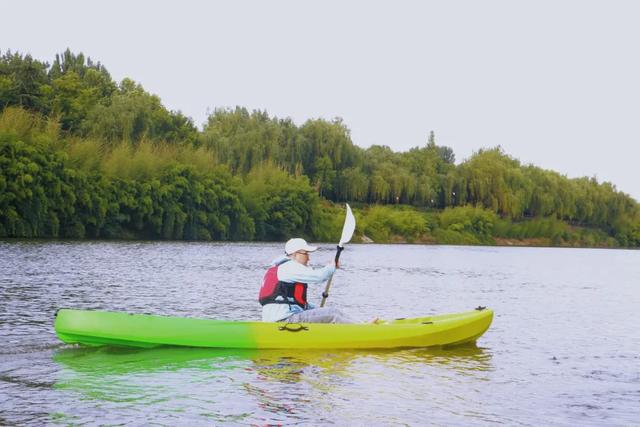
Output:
(97, 328)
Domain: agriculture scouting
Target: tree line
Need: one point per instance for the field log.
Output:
(84, 156)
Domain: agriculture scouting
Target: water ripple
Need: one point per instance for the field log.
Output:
(561, 351)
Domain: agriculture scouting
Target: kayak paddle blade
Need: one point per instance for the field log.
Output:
(348, 228)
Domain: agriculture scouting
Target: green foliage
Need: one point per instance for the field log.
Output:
(466, 225)
(23, 82)
(144, 160)
(133, 115)
(150, 195)
(328, 221)
(82, 95)
(187, 205)
(550, 227)
(244, 141)
(36, 192)
(281, 205)
(552, 231)
(85, 156)
(381, 223)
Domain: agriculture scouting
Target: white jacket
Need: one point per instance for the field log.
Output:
(292, 272)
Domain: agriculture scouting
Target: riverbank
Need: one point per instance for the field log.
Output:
(89, 157)
(467, 225)
(499, 242)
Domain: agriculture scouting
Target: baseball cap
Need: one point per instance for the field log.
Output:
(297, 244)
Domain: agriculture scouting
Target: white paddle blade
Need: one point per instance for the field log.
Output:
(348, 228)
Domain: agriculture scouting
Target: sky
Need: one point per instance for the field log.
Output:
(554, 83)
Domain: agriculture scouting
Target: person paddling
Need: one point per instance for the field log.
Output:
(283, 293)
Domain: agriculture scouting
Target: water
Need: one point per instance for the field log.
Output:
(564, 348)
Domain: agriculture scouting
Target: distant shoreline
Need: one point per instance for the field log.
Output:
(501, 243)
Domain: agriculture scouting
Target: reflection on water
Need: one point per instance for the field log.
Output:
(281, 365)
(275, 383)
(98, 361)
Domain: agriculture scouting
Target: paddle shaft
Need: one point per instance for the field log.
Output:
(325, 294)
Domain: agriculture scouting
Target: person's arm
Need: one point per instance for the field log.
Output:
(296, 272)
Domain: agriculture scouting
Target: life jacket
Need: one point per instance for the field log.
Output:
(272, 288)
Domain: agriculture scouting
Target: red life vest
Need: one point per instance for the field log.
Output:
(272, 288)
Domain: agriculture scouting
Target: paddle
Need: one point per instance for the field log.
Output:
(347, 232)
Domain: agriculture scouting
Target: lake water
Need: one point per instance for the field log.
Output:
(564, 347)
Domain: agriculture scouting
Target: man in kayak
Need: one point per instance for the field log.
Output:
(283, 294)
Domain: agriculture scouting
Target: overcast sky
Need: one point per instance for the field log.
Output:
(555, 83)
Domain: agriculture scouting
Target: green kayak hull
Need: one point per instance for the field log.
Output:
(97, 328)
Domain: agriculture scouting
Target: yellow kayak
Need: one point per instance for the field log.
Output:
(96, 328)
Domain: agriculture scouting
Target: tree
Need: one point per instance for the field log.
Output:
(23, 82)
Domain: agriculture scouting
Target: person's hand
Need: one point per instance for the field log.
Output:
(338, 264)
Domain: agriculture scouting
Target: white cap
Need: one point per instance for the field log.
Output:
(297, 244)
